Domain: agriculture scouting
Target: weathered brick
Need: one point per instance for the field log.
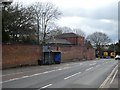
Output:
(15, 55)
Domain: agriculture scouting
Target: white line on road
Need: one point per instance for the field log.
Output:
(92, 64)
(88, 69)
(35, 74)
(63, 68)
(106, 80)
(45, 72)
(94, 61)
(67, 64)
(97, 65)
(114, 77)
(22, 72)
(81, 63)
(72, 75)
(46, 86)
(56, 67)
(15, 73)
(25, 72)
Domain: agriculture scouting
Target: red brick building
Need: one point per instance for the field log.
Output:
(72, 38)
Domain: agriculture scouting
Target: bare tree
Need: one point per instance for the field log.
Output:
(79, 32)
(66, 29)
(56, 31)
(44, 14)
(99, 38)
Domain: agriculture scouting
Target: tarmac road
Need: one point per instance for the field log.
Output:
(85, 74)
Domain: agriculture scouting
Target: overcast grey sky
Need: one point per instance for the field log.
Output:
(88, 15)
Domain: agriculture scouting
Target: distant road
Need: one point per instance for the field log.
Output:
(86, 74)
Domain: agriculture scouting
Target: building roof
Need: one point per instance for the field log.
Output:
(67, 35)
(58, 41)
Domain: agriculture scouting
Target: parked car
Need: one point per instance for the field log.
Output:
(117, 57)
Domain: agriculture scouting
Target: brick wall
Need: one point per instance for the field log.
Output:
(90, 54)
(77, 52)
(76, 40)
(81, 40)
(73, 40)
(15, 55)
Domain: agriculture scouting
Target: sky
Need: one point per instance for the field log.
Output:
(88, 15)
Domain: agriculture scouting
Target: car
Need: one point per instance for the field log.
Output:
(117, 57)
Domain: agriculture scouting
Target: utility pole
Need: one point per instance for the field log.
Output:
(1, 24)
(114, 49)
(44, 27)
(38, 31)
(43, 42)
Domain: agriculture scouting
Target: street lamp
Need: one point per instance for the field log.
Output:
(43, 30)
(43, 26)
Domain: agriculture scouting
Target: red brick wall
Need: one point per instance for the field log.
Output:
(77, 52)
(90, 54)
(73, 40)
(81, 41)
(76, 40)
(15, 55)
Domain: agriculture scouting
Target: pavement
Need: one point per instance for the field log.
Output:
(85, 74)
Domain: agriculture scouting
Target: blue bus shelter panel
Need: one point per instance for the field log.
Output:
(57, 57)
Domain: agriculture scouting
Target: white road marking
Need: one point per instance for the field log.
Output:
(35, 74)
(60, 69)
(66, 67)
(106, 80)
(48, 72)
(72, 75)
(67, 64)
(92, 64)
(114, 77)
(74, 64)
(88, 69)
(56, 67)
(46, 86)
(81, 63)
(21, 72)
(97, 65)
(12, 79)
(15, 73)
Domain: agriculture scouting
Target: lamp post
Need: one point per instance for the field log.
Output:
(43, 42)
(0, 24)
(114, 49)
(43, 26)
(38, 31)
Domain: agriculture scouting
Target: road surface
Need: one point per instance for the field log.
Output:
(85, 74)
